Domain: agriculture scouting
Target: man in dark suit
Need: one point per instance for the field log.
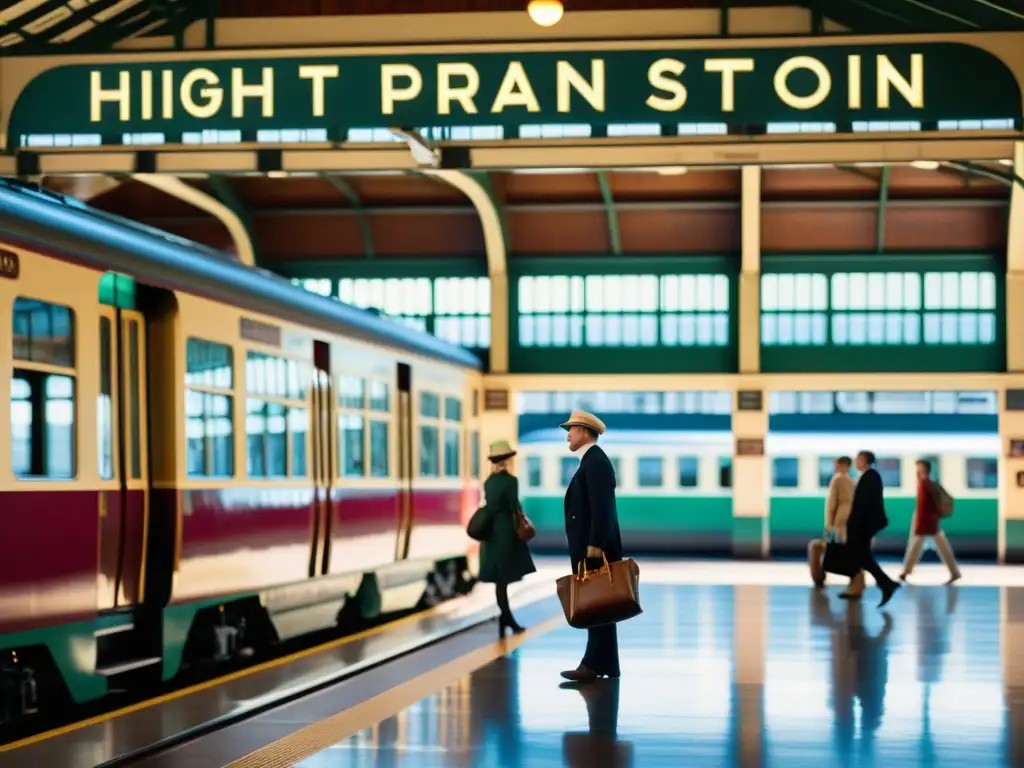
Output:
(867, 520)
(592, 531)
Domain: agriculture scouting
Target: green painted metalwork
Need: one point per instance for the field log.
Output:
(619, 87)
(390, 267)
(883, 357)
(226, 193)
(623, 359)
(485, 180)
(342, 184)
(883, 202)
(614, 236)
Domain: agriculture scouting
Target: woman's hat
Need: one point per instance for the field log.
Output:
(584, 419)
(500, 450)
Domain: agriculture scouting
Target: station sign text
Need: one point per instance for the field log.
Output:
(751, 86)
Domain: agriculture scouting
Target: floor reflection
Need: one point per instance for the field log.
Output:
(738, 676)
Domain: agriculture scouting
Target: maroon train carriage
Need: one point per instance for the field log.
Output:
(203, 460)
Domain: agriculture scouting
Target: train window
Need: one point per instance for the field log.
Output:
(43, 333)
(725, 472)
(351, 392)
(474, 454)
(208, 364)
(687, 466)
(650, 470)
(379, 460)
(534, 477)
(267, 439)
(785, 472)
(453, 409)
(273, 376)
(451, 452)
(276, 428)
(430, 405)
(209, 435)
(568, 466)
(379, 397)
(42, 425)
(135, 396)
(826, 470)
(105, 404)
(889, 469)
(298, 426)
(616, 463)
(429, 451)
(351, 459)
(982, 473)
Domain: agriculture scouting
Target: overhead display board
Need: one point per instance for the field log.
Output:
(291, 90)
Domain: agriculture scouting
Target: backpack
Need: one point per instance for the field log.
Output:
(943, 501)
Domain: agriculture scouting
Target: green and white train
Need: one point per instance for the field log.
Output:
(675, 488)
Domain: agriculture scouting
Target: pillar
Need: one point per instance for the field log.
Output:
(1011, 423)
(750, 407)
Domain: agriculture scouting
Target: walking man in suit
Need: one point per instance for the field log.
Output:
(592, 532)
(867, 520)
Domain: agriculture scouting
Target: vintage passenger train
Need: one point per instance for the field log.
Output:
(202, 458)
(675, 488)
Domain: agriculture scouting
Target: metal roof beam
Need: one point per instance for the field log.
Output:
(344, 186)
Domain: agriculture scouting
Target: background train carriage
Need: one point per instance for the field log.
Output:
(183, 477)
(675, 488)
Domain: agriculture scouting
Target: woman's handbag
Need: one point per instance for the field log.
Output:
(838, 559)
(525, 529)
(479, 526)
(607, 595)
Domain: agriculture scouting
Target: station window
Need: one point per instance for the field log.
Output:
(321, 286)
(457, 309)
(785, 472)
(623, 310)
(725, 472)
(364, 415)
(688, 466)
(567, 468)
(982, 474)
(209, 420)
(276, 417)
(793, 310)
(43, 391)
(889, 469)
(650, 470)
(462, 311)
(534, 476)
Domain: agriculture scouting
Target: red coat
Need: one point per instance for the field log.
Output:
(926, 515)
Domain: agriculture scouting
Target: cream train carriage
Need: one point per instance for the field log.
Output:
(675, 488)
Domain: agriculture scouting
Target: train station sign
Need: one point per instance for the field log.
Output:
(289, 90)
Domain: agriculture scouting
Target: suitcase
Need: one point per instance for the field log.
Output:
(815, 561)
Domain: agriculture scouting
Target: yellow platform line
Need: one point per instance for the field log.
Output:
(317, 737)
(214, 682)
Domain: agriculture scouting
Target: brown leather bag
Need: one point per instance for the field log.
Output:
(525, 529)
(606, 596)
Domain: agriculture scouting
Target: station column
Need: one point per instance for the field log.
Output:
(1011, 403)
(749, 409)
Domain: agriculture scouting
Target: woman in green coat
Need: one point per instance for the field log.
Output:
(504, 558)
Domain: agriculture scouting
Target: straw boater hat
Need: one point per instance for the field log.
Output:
(583, 419)
(500, 450)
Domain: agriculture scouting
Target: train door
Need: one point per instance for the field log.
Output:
(404, 435)
(323, 462)
(124, 513)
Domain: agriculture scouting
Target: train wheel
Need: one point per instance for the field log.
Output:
(31, 690)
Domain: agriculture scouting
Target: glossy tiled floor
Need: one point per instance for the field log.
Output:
(746, 675)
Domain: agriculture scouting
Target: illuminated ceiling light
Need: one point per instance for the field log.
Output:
(545, 13)
(1006, 162)
(277, 174)
(926, 165)
(672, 170)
